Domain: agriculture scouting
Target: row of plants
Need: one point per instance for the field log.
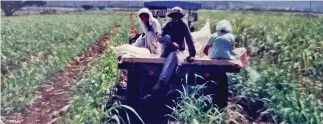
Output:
(23, 37)
(64, 39)
(89, 102)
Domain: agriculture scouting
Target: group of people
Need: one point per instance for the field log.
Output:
(169, 41)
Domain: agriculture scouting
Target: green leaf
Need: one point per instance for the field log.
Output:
(116, 118)
(132, 110)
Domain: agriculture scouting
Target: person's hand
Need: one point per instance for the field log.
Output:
(176, 45)
(190, 59)
(154, 47)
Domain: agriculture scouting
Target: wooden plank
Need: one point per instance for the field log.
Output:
(198, 61)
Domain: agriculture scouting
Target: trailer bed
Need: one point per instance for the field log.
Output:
(143, 73)
(197, 61)
(199, 64)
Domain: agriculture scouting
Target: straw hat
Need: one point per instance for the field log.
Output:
(176, 11)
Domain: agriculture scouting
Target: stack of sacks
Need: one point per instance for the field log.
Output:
(200, 39)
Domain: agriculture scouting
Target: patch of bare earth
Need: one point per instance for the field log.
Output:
(53, 101)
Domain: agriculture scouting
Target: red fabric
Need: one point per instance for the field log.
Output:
(241, 53)
(206, 50)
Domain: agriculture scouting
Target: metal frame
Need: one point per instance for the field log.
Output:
(170, 4)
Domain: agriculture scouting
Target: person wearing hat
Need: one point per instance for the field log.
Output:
(175, 33)
(151, 29)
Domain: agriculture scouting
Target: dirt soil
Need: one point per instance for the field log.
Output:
(53, 100)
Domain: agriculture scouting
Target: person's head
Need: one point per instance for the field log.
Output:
(144, 15)
(176, 13)
(224, 26)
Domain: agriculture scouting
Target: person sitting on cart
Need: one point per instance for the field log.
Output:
(221, 42)
(221, 45)
(174, 33)
(151, 29)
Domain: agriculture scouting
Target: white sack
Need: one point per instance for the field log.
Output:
(200, 39)
(131, 51)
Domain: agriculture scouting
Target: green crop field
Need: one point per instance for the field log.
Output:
(282, 84)
(35, 48)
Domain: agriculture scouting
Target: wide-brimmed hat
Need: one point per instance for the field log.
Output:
(176, 11)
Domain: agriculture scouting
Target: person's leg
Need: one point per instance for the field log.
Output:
(169, 66)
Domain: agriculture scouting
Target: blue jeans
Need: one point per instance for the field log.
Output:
(169, 66)
(172, 58)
